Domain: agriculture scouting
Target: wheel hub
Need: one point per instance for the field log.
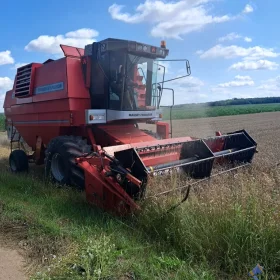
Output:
(13, 165)
(57, 167)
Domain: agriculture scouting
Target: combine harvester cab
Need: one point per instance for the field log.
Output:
(81, 114)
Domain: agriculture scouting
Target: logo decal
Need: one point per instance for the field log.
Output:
(141, 115)
(49, 88)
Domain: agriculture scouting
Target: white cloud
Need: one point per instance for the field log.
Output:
(239, 81)
(82, 33)
(199, 52)
(50, 44)
(255, 65)
(248, 9)
(6, 58)
(170, 19)
(19, 64)
(248, 39)
(234, 36)
(219, 93)
(233, 51)
(5, 84)
(243, 78)
(219, 90)
(187, 90)
(189, 83)
(161, 67)
(271, 85)
(230, 37)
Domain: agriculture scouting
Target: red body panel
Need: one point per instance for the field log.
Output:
(43, 77)
(76, 84)
(9, 101)
(25, 100)
(56, 111)
(104, 192)
(163, 129)
(72, 51)
(121, 134)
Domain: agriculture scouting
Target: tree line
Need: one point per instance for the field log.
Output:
(245, 101)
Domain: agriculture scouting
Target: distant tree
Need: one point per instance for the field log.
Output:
(244, 101)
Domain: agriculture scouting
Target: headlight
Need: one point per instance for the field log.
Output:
(96, 117)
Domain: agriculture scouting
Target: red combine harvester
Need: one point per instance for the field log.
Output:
(80, 116)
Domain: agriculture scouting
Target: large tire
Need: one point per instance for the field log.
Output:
(60, 166)
(18, 161)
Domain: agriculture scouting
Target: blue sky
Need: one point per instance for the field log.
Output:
(233, 45)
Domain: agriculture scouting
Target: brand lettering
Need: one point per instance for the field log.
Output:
(49, 88)
(141, 115)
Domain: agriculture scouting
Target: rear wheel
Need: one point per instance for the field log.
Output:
(60, 166)
(18, 161)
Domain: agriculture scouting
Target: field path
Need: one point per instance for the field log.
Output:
(11, 263)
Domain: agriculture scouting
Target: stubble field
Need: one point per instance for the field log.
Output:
(222, 231)
(263, 127)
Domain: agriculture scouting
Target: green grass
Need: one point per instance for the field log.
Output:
(2, 122)
(221, 232)
(96, 243)
(193, 111)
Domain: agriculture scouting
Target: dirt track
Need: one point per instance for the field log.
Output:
(11, 262)
(264, 128)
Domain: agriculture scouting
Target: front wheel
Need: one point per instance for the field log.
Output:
(60, 166)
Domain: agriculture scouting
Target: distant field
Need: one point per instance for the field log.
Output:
(194, 111)
(2, 122)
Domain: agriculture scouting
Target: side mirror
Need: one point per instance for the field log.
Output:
(188, 67)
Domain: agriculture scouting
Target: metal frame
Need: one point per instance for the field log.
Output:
(13, 133)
